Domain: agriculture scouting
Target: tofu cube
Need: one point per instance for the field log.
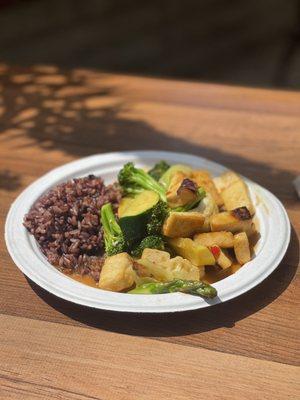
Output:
(226, 221)
(222, 239)
(242, 248)
(204, 179)
(177, 194)
(235, 192)
(223, 259)
(117, 273)
(183, 224)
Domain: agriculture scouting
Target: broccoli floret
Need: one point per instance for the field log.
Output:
(133, 180)
(158, 215)
(113, 237)
(159, 169)
(187, 207)
(149, 242)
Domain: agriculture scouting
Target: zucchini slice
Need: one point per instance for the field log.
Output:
(134, 213)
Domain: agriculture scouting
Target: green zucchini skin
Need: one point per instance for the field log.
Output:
(132, 222)
(134, 228)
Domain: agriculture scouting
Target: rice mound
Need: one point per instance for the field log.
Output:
(66, 224)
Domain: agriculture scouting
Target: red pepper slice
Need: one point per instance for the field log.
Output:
(215, 250)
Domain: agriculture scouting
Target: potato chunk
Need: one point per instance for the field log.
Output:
(183, 224)
(235, 192)
(221, 239)
(226, 221)
(154, 255)
(204, 179)
(242, 248)
(175, 268)
(192, 251)
(117, 273)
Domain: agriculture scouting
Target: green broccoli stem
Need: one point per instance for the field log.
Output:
(108, 219)
(113, 237)
(196, 288)
(147, 182)
(132, 191)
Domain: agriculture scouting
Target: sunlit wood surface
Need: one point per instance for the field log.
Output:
(51, 349)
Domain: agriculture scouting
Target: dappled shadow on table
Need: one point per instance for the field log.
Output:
(176, 324)
(78, 113)
(9, 180)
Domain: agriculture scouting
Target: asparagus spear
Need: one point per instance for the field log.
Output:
(178, 285)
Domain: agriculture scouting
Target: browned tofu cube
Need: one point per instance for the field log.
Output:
(183, 224)
(204, 179)
(227, 221)
(242, 248)
(235, 192)
(222, 239)
(181, 190)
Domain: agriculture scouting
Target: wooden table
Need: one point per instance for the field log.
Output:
(52, 349)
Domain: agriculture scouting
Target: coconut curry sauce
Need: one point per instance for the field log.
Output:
(85, 279)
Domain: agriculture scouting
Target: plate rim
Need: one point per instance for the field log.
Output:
(176, 296)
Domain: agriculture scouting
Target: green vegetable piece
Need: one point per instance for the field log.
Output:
(149, 288)
(133, 180)
(113, 237)
(159, 169)
(158, 215)
(149, 242)
(196, 288)
(135, 213)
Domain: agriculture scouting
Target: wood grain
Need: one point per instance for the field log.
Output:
(76, 363)
(53, 349)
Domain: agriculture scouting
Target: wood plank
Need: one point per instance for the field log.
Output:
(196, 94)
(255, 132)
(53, 361)
(243, 326)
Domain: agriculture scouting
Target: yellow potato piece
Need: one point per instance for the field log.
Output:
(222, 239)
(175, 268)
(242, 248)
(195, 253)
(154, 255)
(117, 273)
(183, 224)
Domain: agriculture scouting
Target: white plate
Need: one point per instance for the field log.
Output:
(272, 218)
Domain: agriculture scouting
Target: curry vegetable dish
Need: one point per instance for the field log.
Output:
(168, 229)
